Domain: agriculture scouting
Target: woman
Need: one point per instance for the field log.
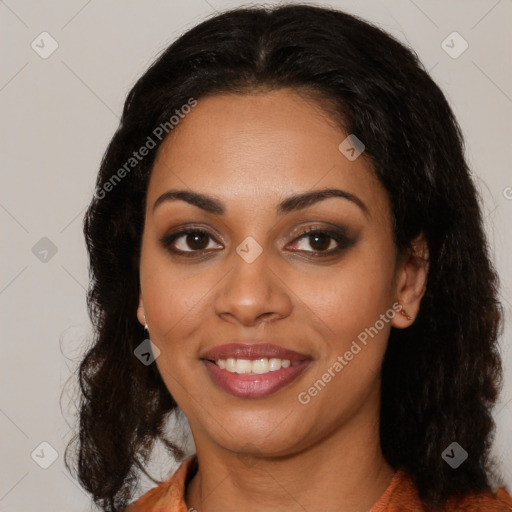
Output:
(286, 210)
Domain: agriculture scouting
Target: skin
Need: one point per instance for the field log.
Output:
(274, 453)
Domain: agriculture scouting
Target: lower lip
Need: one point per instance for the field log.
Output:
(254, 386)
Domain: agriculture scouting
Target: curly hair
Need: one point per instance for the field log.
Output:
(440, 377)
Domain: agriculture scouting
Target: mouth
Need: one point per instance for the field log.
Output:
(253, 370)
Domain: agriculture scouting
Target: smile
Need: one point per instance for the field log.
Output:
(253, 371)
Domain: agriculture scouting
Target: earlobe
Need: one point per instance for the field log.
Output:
(141, 314)
(411, 282)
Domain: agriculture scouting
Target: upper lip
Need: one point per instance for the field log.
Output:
(251, 352)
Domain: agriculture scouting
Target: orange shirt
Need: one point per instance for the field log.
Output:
(400, 496)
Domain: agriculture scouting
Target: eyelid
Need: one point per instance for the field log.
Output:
(322, 227)
(191, 227)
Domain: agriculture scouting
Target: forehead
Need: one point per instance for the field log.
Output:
(260, 147)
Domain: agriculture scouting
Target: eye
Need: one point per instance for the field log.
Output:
(322, 242)
(317, 242)
(188, 242)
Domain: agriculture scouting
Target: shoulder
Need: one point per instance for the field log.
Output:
(169, 495)
(402, 494)
(488, 501)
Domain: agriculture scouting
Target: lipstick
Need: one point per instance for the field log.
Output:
(253, 370)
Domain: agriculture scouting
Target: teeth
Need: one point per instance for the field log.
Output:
(254, 367)
(260, 366)
(274, 364)
(243, 366)
(231, 364)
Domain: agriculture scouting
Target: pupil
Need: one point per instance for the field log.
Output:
(320, 246)
(197, 240)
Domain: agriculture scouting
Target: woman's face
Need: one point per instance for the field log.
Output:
(252, 277)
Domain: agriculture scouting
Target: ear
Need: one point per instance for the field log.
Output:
(141, 314)
(411, 282)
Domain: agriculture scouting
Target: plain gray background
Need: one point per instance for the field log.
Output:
(58, 115)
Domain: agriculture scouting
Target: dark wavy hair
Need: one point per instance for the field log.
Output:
(440, 377)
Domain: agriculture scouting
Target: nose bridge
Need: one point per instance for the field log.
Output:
(251, 289)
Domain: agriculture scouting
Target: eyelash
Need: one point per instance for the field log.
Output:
(342, 240)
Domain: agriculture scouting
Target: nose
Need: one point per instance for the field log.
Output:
(252, 292)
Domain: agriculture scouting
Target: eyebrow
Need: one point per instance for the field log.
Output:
(292, 203)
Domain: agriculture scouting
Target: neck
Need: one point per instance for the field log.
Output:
(345, 471)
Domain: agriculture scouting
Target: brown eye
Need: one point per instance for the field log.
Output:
(322, 243)
(196, 241)
(189, 241)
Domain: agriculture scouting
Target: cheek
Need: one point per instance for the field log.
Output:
(174, 300)
(354, 296)
(354, 342)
